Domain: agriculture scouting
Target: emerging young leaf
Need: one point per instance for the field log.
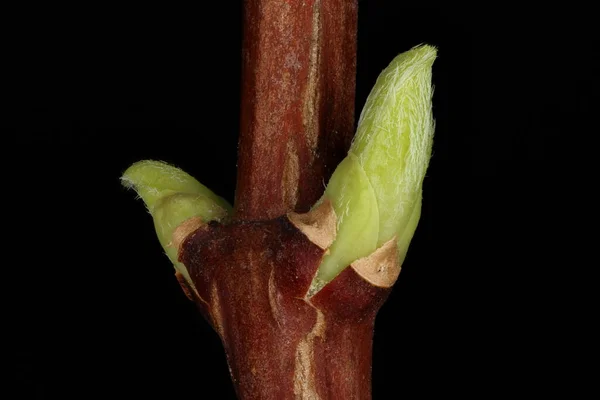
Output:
(172, 197)
(376, 191)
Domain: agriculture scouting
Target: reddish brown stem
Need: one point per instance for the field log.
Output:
(251, 276)
(251, 281)
(297, 114)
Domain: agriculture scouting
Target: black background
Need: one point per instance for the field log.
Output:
(95, 311)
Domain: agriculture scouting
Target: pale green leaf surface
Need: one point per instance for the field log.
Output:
(172, 196)
(355, 205)
(392, 148)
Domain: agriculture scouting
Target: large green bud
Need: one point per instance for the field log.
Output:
(376, 190)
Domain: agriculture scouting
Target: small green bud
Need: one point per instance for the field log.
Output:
(172, 197)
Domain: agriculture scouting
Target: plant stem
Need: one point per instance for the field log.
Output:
(297, 112)
(252, 272)
(251, 280)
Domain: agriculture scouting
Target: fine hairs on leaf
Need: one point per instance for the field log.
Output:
(172, 197)
(385, 166)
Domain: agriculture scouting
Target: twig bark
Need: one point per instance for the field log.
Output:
(297, 114)
(251, 281)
